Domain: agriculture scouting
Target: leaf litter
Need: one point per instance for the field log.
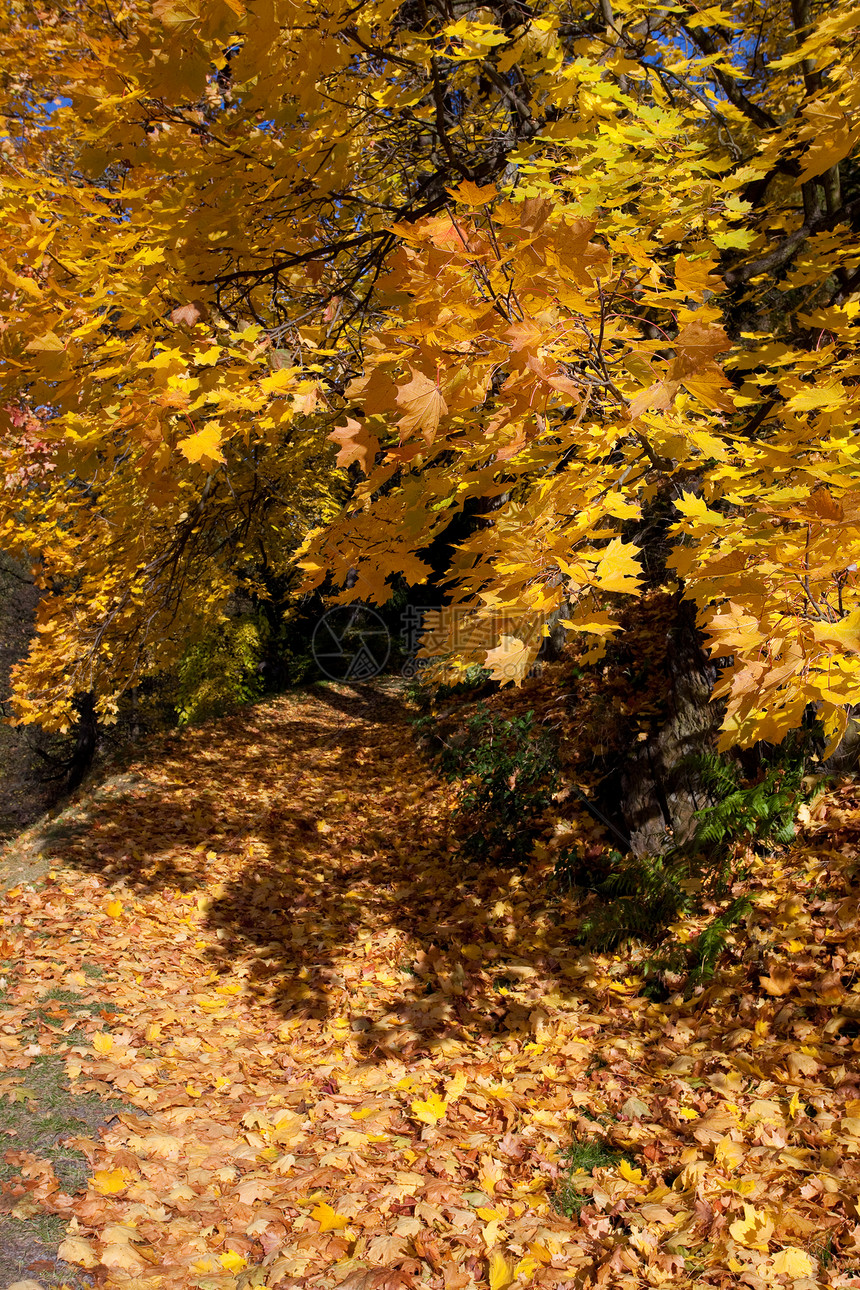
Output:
(350, 1060)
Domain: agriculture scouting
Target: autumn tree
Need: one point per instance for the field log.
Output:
(585, 265)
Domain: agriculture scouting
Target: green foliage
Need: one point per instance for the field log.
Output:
(713, 939)
(761, 813)
(222, 669)
(581, 1159)
(697, 961)
(637, 898)
(509, 774)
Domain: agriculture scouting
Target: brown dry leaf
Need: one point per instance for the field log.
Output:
(74, 1249)
(780, 981)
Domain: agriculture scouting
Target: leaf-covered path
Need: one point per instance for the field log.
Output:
(356, 1063)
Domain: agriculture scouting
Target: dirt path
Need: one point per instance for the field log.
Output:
(355, 1063)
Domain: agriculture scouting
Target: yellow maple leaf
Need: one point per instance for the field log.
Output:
(328, 1219)
(470, 194)
(754, 1230)
(597, 623)
(696, 508)
(792, 1262)
(232, 1261)
(818, 396)
(501, 1273)
(113, 908)
(845, 633)
(694, 275)
(729, 1154)
(618, 568)
(629, 1174)
(204, 446)
(431, 1110)
(109, 1182)
(102, 1043)
(511, 659)
(455, 1087)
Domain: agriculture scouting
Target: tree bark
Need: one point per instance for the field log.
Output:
(654, 789)
(86, 739)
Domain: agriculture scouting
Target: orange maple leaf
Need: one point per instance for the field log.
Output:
(423, 404)
(355, 443)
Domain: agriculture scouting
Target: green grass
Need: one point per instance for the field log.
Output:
(581, 1159)
(41, 1115)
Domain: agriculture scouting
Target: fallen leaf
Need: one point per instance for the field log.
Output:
(500, 1271)
(328, 1219)
(431, 1110)
(74, 1249)
(792, 1262)
(754, 1230)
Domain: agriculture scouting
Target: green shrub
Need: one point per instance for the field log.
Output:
(222, 669)
(509, 774)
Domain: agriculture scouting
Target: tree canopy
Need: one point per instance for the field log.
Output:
(597, 266)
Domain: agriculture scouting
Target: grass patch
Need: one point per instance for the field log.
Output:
(40, 1115)
(581, 1159)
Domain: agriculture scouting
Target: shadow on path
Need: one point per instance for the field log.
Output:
(317, 828)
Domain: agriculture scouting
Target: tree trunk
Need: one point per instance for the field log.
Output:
(86, 738)
(655, 788)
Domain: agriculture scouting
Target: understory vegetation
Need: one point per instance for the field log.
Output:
(510, 805)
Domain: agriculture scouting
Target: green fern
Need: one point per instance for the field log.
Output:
(697, 961)
(717, 775)
(639, 897)
(713, 939)
(761, 813)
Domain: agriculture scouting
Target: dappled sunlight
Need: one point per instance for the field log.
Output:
(357, 1060)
